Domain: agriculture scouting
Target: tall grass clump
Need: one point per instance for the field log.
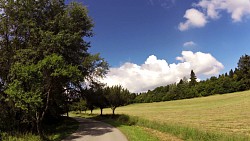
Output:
(19, 137)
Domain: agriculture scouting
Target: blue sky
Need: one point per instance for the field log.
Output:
(130, 31)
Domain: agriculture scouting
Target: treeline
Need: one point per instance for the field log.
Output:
(102, 97)
(233, 81)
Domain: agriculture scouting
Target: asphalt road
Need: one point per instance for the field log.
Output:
(91, 130)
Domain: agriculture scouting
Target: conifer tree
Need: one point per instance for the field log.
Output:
(193, 78)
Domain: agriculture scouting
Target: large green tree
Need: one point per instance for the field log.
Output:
(44, 55)
(116, 96)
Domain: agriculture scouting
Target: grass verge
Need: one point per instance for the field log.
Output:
(55, 132)
(132, 126)
(185, 133)
(133, 133)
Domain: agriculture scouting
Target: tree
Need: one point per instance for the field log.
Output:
(243, 72)
(244, 63)
(44, 54)
(101, 100)
(192, 79)
(81, 105)
(116, 96)
(231, 73)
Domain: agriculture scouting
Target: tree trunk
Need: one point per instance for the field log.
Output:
(40, 117)
(39, 127)
(91, 111)
(101, 111)
(113, 110)
(67, 108)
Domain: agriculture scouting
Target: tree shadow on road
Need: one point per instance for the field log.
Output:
(90, 127)
(116, 120)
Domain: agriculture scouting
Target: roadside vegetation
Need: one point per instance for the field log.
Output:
(54, 131)
(218, 117)
(132, 131)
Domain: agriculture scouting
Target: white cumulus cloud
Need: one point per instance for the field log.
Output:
(236, 8)
(189, 44)
(194, 18)
(211, 9)
(157, 72)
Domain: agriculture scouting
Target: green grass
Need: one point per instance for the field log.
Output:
(218, 117)
(20, 137)
(133, 133)
(54, 132)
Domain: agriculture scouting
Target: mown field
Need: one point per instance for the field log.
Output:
(228, 113)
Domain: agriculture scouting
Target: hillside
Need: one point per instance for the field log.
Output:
(228, 113)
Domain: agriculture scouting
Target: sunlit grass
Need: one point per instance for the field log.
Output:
(228, 113)
(134, 133)
(20, 137)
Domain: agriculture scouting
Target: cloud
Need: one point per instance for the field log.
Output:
(189, 44)
(237, 8)
(162, 3)
(211, 10)
(194, 18)
(157, 72)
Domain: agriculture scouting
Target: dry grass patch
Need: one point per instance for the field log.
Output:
(228, 113)
(162, 136)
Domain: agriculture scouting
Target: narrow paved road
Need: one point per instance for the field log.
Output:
(91, 130)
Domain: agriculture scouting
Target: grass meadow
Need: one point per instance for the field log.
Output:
(222, 117)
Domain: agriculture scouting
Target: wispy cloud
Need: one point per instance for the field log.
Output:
(162, 3)
(189, 44)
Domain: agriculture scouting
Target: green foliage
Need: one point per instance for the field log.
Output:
(55, 131)
(44, 60)
(102, 97)
(79, 106)
(116, 96)
(192, 79)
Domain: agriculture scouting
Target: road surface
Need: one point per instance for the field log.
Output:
(91, 130)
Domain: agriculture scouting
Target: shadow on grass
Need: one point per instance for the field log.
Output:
(63, 128)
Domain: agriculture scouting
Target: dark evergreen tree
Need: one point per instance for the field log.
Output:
(231, 73)
(244, 67)
(193, 78)
(181, 82)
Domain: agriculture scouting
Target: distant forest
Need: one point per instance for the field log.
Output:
(233, 81)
